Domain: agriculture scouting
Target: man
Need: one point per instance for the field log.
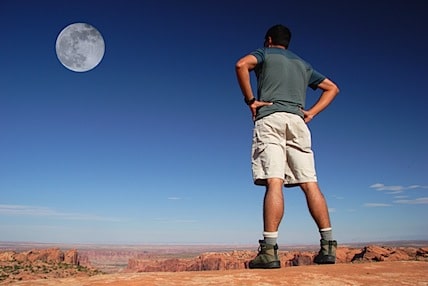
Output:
(281, 147)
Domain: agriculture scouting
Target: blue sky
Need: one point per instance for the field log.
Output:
(153, 145)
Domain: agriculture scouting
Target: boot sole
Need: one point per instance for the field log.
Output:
(327, 259)
(270, 265)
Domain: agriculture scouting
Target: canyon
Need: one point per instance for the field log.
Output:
(35, 264)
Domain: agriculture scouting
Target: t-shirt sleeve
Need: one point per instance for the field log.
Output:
(315, 79)
(259, 54)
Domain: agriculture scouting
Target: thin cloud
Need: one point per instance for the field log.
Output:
(400, 197)
(174, 198)
(376, 205)
(418, 201)
(24, 210)
(395, 189)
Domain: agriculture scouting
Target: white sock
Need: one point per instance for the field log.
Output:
(326, 233)
(270, 237)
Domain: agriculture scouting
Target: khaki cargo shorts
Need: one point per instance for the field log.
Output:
(281, 148)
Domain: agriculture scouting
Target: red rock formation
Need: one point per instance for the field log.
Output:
(71, 257)
(379, 253)
(240, 259)
(422, 253)
(52, 255)
(7, 256)
(49, 263)
(41, 264)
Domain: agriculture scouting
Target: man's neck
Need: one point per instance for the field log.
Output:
(277, 46)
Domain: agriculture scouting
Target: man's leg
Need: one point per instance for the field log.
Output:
(317, 206)
(273, 211)
(273, 205)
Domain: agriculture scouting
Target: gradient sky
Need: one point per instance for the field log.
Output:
(153, 145)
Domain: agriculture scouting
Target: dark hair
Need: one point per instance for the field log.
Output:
(279, 34)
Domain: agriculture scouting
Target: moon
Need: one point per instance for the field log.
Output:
(80, 47)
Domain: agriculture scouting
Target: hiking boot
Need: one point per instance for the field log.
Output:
(327, 253)
(267, 258)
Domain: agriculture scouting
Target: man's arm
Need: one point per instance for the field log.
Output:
(330, 90)
(243, 68)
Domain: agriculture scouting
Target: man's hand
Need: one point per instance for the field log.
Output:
(330, 90)
(307, 116)
(256, 105)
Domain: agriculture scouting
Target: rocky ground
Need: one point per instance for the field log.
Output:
(239, 259)
(383, 264)
(414, 273)
(41, 264)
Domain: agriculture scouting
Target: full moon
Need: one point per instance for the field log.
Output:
(80, 47)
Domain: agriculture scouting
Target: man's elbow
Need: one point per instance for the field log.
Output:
(333, 88)
(240, 65)
(336, 90)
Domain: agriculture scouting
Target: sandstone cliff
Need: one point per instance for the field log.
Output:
(41, 263)
(52, 255)
(53, 265)
(240, 259)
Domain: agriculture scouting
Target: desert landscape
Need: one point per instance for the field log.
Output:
(392, 263)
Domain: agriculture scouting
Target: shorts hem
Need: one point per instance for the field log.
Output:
(287, 184)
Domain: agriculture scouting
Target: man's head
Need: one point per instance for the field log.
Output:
(278, 35)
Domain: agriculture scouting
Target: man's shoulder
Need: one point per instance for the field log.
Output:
(258, 51)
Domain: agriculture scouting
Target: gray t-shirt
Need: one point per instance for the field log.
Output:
(283, 78)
